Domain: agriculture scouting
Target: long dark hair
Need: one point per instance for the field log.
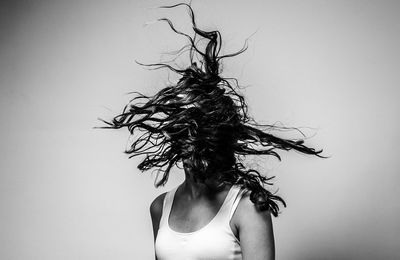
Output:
(203, 120)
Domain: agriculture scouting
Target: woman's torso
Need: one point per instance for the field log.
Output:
(213, 240)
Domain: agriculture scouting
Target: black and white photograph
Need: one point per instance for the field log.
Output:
(199, 130)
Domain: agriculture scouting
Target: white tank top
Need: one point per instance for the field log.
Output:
(214, 241)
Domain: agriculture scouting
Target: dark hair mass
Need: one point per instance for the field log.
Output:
(203, 121)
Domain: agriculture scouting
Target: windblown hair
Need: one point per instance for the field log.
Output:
(203, 121)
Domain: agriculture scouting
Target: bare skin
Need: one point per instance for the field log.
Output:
(195, 205)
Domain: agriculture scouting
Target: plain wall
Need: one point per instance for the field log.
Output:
(332, 67)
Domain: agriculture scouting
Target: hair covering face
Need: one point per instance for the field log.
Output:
(202, 121)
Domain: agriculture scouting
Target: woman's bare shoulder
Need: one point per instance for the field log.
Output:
(248, 217)
(156, 205)
(246, 210)
(156, 208)
(255, 230)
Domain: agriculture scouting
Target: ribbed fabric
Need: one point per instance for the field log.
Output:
(214, 241)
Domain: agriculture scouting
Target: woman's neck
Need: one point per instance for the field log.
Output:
(196, 189)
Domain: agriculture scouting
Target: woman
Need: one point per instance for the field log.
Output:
(222, 210)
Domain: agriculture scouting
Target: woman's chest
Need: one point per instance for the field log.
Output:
(187, 218)
(210, 243)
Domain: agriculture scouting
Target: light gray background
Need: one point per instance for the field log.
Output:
(68, 191)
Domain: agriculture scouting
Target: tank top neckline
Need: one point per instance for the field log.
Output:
(172, 196)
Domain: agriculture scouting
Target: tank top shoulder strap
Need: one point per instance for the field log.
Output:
(237, 195)
(230, 204)
(167, 205)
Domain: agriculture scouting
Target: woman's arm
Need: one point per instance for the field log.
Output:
(255, 231)
(156, 208)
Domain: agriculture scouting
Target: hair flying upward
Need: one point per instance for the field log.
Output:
(203, 120)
